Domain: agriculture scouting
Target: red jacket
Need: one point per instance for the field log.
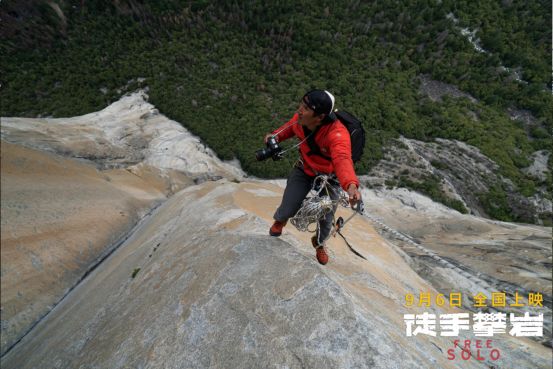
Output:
(334, 141)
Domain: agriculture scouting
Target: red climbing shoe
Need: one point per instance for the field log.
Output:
(276, 228)
(322, 256)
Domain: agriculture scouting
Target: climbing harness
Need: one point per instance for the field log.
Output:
(319, 204)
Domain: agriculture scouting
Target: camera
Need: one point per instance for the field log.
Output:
(272, 150)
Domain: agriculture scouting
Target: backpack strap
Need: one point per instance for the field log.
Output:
(314, 149)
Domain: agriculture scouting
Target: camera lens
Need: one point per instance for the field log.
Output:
(272, 150)
(262, 154)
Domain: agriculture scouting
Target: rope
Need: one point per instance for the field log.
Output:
(294, 146)
(312, 210)
(351, 247)
(316, 207)
(474, 279)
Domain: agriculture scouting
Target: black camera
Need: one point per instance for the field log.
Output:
(273, 150)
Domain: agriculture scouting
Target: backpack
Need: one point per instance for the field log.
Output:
(356, 132)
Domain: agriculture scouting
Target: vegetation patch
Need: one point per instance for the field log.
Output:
(232, 71)
(135, 272)
(431, 187)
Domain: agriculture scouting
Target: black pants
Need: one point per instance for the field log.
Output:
(298, 186)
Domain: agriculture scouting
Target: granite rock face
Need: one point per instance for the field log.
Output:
(59, 218)
(194, 280)
(459, 252)
(201, 284)
(128, 132)
(72, 190)
(464, 174)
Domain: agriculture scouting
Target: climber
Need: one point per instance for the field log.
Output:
(325, 148)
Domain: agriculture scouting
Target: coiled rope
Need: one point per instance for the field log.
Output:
(319, 204)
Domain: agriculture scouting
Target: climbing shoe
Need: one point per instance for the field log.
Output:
(276, 228)
(322, 256)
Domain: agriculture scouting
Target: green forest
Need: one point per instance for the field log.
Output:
(230, 71)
